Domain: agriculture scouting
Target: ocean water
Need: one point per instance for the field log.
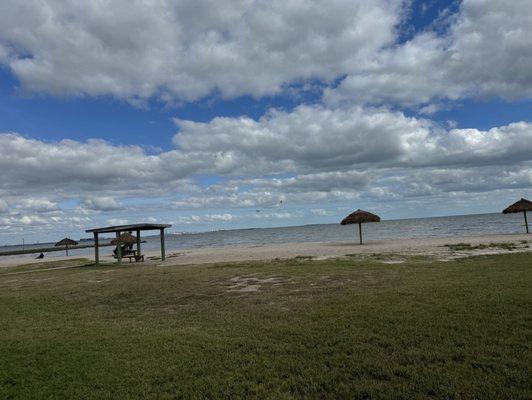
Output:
(462, 225)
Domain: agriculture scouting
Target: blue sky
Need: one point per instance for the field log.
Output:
(260, 114)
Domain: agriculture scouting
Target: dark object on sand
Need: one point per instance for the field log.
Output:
(40, 256)
(66, 242)
(523, 206)
(360, 217)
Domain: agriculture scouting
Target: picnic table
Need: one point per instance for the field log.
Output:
(132, 255)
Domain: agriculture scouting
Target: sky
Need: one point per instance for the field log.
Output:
(223, 114)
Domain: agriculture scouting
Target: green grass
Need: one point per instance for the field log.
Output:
(352, 328)
(505, 245)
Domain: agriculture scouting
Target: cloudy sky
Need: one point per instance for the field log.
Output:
(219, 114)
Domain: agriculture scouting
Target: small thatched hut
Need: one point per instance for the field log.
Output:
(523, 206)
(65, 243)
(360, 217)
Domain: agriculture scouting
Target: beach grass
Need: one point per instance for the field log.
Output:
(347, 328)
(510, 246)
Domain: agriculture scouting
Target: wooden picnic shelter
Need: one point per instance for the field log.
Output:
(119, 229)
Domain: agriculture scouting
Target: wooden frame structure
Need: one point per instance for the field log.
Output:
(127, 228)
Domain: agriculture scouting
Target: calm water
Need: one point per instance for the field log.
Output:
(407, 228)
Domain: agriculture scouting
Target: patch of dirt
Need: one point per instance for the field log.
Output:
(251, 283)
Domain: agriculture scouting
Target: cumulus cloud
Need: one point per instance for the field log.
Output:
(101, 204)
(435, 181)
(283, 151)
(301, 140)
(186, 50)
(200, 219)
(321, 212)
(33, 220)
(219, 217)
(324, 181)
(279, 215)
(312, 152)
(487, 51)
(39, 219)
(311, 139)
(31, 166)
(117, 221)
(37, 205)
(183, 51)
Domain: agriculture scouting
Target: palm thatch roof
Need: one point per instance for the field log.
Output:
(359, 217)
(519, 206)
(125, 238)
(66, 242)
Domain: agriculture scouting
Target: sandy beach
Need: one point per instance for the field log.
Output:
(431, 246)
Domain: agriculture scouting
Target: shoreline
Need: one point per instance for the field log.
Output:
(427, 246)
(49, 249)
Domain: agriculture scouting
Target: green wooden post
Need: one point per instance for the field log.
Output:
(526, 222)
(360, 232)
(138, 243)
(96, 250)
(163, 255)
(119, 248)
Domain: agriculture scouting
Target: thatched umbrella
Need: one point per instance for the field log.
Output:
(523, 206)
(359, 217)
(66, 242)
(125, 238)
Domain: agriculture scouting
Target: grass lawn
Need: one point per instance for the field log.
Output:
(352, 328)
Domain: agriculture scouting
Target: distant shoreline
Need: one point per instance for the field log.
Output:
(48, 249)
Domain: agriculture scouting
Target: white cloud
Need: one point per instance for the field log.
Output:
(202, 219)
(349, 141)
(69, 168)
(187, 220)
(117, 221)
(186, 50)
(279, 215)
(486, 52)
(102, 204)
(321, 212)
(307, 155)
(470, 180)
(219, 217)
(182, 51)
(301, 140)
(32, 220)
(37, 205)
